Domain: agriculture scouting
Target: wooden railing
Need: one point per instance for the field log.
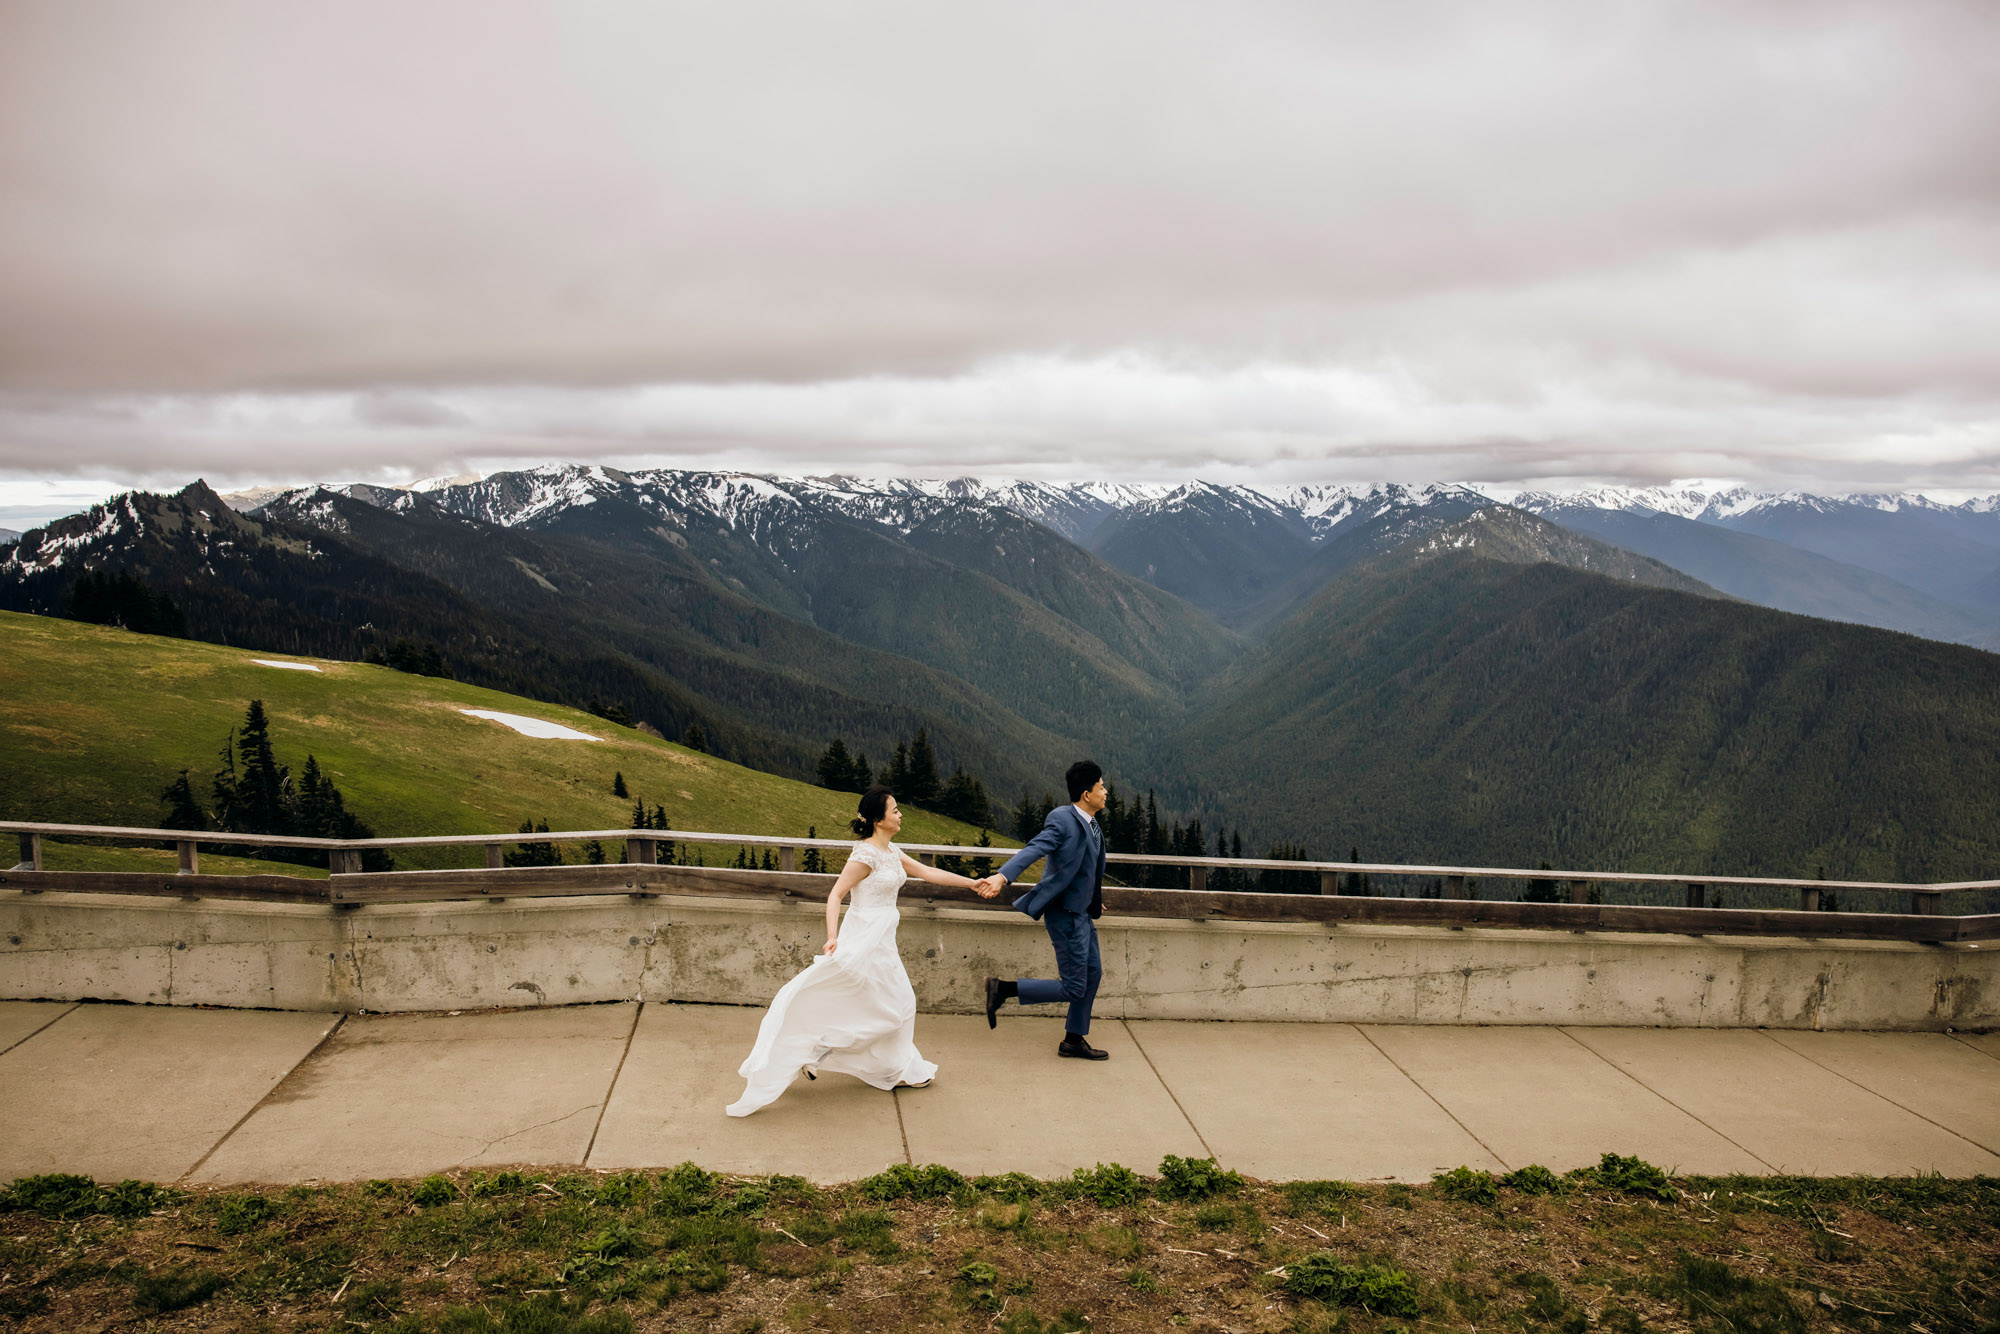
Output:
(1458, 903)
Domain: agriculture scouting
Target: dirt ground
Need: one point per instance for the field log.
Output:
(922, 1249)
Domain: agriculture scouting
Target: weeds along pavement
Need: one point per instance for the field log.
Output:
(1622, 1246)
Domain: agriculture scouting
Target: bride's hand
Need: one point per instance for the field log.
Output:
(830, 943)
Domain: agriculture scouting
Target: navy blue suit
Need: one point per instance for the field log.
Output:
(1066, 899)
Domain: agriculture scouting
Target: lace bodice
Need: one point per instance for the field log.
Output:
(885, 876)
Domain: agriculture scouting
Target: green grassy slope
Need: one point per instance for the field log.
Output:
(95, 722)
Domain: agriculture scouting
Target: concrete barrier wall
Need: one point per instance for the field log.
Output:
(449, 956)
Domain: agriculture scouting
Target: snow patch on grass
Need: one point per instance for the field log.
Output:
(535, 727)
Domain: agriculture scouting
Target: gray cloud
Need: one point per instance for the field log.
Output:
(276, 240)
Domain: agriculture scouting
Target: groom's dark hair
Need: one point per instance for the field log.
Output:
(1082, 777)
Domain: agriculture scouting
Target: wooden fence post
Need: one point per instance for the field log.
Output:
(1809, 900)
(1455, 888)
(31, 853)
(1329, 882)
(1926, 903)
(788, 859)
(1579, 891)
(496, 856)
(1697, 896)
(190, 857)
(642, 850)
(1197, 878)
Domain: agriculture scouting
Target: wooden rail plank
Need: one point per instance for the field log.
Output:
(1329, 910)
(171, 884)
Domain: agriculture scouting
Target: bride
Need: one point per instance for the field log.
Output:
(851, 1010)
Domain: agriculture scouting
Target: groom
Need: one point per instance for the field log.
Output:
(1066, 899)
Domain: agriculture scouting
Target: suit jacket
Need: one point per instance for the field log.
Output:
(1073, 880)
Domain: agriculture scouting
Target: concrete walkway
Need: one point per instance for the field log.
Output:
(174, 1094)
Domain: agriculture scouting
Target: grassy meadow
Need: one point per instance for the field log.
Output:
(95, 722)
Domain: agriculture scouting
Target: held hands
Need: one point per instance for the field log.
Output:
(990, 886)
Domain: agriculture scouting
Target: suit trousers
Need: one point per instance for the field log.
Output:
(1075, 937)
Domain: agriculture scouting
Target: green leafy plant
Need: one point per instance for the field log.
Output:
(1195, 1179)
(904, 1182)
(1109, 1184)
(1468, 1184)
(1534, 1179)
(1323, 1277)
(1634, 1176)
(57, 1195)
(237, 1214)
(1012, 1187)
(434, 1190)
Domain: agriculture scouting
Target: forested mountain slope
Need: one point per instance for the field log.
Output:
(1442, 705)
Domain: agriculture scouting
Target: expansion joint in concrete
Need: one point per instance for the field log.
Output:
(1877, 1093)
(1960, 1039)
(1684, 1111)
(269, 1094)
(612, 1088)
(1206, 1150)
(1418, 1085)
(54, 1019)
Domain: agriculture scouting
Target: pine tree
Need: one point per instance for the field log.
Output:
(618, 785)
(695, 738)
(223, 794)
(812, 863)
(261, 780)
(533, 853)
(183, 811)
(836, 767)
(638, 814)
(593, 853)
(983, 866)
(1541, 890)
(897, 776)
(660, 817)
(923, 771)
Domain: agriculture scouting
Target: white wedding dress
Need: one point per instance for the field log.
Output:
(851, 1011)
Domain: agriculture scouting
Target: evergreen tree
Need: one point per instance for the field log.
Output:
(639, 814)
(1541, 890)
(982, 866)
(812, 863)
(694, 738)
(964, 799)
(897, 776)
(618, 785)
(183, 811)
(836, 767)
(593, 853)
(1154, 844)
(923, 772)
(260, 780)
(222, 789)
(533, 853)
(660, 817)
(860, 775)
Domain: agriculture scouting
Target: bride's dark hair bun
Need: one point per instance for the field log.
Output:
(874, 805)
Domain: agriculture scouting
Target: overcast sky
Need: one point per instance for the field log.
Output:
(1531, 244)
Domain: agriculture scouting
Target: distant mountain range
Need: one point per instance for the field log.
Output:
(1418, 673)
(1250, 556)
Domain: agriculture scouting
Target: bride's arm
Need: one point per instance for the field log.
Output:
(916, 870)
(851, 875)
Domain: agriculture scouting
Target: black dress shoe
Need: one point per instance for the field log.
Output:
(1072, 1045)
(993, 999)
